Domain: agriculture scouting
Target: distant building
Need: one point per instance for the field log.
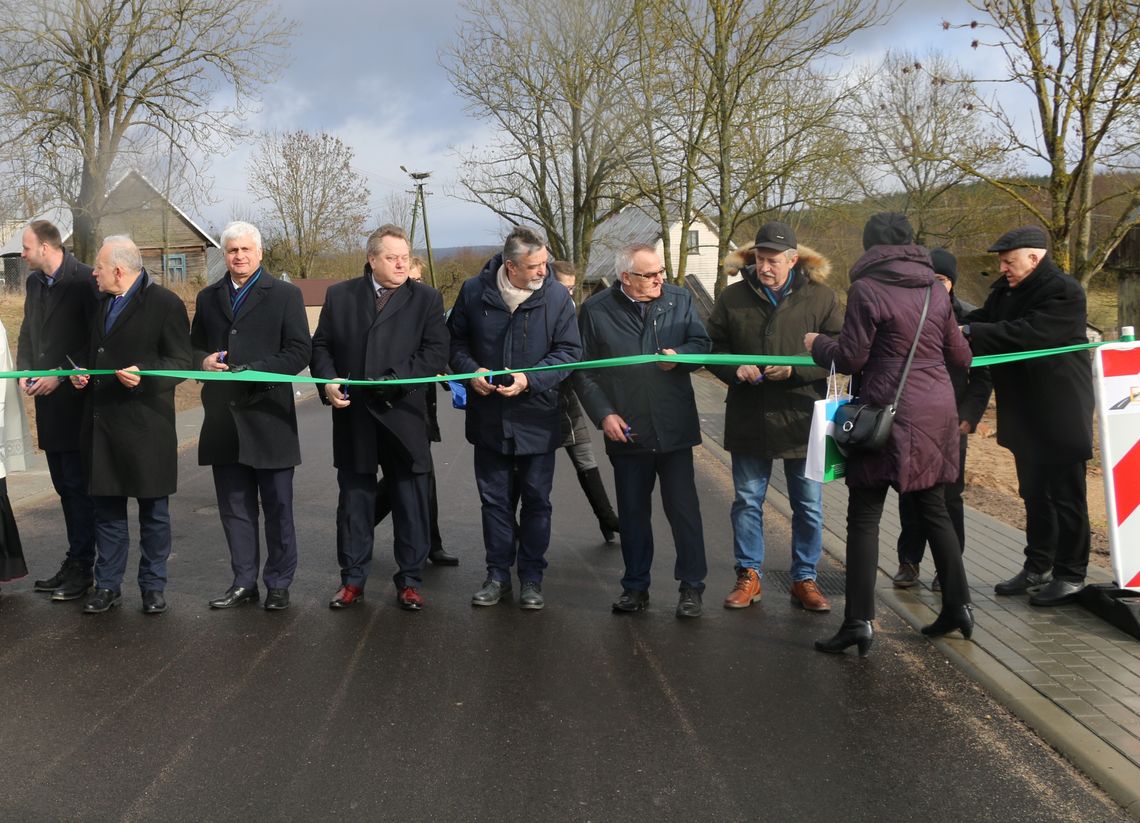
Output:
(173, 246)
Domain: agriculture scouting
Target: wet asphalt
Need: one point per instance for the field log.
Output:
(462, 713)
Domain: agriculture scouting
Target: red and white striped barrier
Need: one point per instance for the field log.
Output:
(1118, 410)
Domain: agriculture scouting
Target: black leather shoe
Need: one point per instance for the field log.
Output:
(441, 557)
(1022, 582)
(1057, 593)
(70, 575)
(852, 633)
(491, 593)
(73, 587)
(235, 596)
(530, 595)
(101, 601)
(949, 619)
(276, 600)
(632, 600)
(689, 603)
(154, 602)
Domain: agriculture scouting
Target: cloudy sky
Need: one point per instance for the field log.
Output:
(374, 79)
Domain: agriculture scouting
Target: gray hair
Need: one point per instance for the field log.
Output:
(521, 242)
(238, 229)
(377, 237)
(624, 259)
(122, 253)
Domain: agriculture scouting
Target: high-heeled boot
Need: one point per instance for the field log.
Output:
(949, 619)
(591, 483)
(853, 632)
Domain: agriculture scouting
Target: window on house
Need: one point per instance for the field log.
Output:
(174, 266)
(694, 241)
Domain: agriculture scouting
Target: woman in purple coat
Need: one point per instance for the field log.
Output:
(889, 284)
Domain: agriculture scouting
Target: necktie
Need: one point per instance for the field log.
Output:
(382, 298)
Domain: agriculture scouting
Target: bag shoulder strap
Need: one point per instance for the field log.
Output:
(913, 347)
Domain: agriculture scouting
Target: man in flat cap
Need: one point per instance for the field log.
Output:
(1044, 409)
(782, 294)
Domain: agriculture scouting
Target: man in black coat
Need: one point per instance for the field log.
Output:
(649, 416)
(250, 320)
(1044, 409)
(380, 326)
(59, 303)
(514, 315)
(130, 445)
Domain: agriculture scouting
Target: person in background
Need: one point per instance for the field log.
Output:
(889, 286)
(576, 434)
(972, 394)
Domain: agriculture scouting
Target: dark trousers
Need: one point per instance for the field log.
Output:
(1056, 516)
(384, 507)
(356, 517)
(634, 478)
(113, 540)
(238, 487)
(864, 511)
(70, 481)
(505, 480)
(912, 534)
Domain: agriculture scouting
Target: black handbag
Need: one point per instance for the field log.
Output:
(863, 427)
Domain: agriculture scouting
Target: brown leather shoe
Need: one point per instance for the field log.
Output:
(806, 594)
(745, 592)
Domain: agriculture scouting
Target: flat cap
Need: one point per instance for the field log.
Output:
(1026, 237)
(777, 236)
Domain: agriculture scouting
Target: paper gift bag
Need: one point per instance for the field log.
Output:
(824, 461)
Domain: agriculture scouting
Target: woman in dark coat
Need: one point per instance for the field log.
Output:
(889, 284)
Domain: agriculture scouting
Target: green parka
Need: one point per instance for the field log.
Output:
(772, 418)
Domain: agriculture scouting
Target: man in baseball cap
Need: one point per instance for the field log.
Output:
(1044, 409)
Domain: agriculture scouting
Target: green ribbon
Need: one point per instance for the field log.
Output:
(250, 376)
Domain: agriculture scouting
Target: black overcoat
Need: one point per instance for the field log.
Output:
(254, 424)
(130, 444)
(1044, 406)
(407, 339)
(659, 406)
(57, 324)
(884, 303)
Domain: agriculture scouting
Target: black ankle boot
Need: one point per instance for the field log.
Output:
(853, 632)
(591, 483)
(949, 619)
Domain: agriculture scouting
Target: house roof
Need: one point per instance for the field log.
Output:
(633, 224)
(60, 215)
(313, 291)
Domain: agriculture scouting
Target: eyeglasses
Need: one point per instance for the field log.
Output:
(648, 275)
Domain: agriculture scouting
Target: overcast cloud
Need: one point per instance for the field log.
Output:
(371, 76)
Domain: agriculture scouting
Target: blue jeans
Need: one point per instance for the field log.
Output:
(750, 477)
(113, 539)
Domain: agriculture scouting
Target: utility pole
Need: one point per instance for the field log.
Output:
(419, 204)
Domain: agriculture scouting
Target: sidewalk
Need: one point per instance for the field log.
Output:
(1070, 676)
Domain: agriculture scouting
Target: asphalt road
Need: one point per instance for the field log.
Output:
(458, 713)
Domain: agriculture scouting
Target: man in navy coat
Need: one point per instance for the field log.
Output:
(380, 326)
(250, 320)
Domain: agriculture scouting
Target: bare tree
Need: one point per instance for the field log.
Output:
(918, 130)
(1078, 61)
(546, 75)
(397, 208)
(83, 78)
(315, 198)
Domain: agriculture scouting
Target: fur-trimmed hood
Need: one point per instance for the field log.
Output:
(812, 263)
